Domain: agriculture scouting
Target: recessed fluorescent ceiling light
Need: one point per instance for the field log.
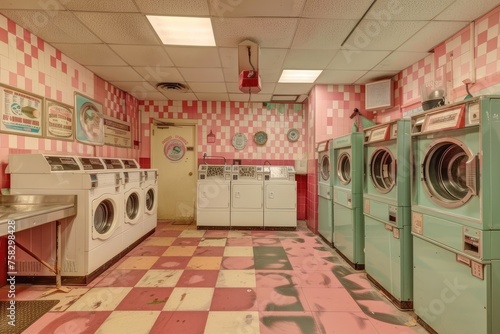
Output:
(299, 76)
(176, 30)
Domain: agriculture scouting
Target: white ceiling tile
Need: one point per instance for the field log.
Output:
(194, 56)
(356, 59)
(467, 10)
(338, 9)
(372, 35)
(208, 87)
(61, 27)
(254, 98)
(231, 75)
(202, 74)
(232, 88)
(274, 8)
(101, 6)
(155, 96)
(292, 88)
(400, 59)
(155, 74)
(178, 96)
(321, 33)
(431, 35)
(270, 75)
(143, 55)
(271, 58)
(331, 77)
(308, 59)
(389, 10)
(116, 73)
(30, 4)
(138, 89)
(120, 28)
(212, 97)
(376, 75)
(229, 57)
(267, 32)
(90, 54)
(174, 7)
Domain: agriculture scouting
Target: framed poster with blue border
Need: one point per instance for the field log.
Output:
(89, 120)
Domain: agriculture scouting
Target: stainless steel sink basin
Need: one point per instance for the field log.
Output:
(27, 211)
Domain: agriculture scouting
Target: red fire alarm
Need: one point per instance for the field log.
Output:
(249, 81)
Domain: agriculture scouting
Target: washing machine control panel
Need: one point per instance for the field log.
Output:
(91, 163)
(220, 172)
(242, 172)
(112, 163)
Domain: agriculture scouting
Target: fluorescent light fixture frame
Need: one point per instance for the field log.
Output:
(284, 98)
(299, 76)
(178, 30)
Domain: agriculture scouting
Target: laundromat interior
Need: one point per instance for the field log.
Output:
(250, 166)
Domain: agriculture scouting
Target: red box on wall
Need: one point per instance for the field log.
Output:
(249, 82)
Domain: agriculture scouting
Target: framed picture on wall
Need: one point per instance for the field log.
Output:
(59, 120)
(21, 112)
(89, 120)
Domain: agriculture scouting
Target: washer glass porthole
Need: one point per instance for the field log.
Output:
(382, 170)
(445, 173)
(325, 168)
(132, 206)
(103, 217)
(150, 199)
(344, 168)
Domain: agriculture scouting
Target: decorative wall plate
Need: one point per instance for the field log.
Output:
(239, 141)
(293, 135)
(260, 138)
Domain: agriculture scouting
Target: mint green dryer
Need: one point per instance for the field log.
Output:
(348, 199)
(455, 216)
(325, 185)
(386, 208)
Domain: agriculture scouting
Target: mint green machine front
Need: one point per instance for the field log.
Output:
(348, 221)
(386, 208)
(325, 184)
(455, 216)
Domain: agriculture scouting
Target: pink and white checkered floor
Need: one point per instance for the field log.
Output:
(183, 280)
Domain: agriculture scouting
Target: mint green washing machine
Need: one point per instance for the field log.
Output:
(348, 222)
(386, 208)
(455, 216)
(325, 185)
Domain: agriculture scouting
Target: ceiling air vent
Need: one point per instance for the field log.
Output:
(172, 86)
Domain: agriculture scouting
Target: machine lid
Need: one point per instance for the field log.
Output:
(324, 168)
(344, 168)
(449, 172)
(383, 170)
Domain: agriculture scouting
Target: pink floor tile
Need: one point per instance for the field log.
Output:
(271, 279)
(186, 242)
(264, 234)
(310, 263)
(209, 251)
(266, 242)
(167, 233)
(281, 299)
(145, 299)
(68, 322)
(122, 277)
(237, 262)
(185, 322)
(288, 323)
(198, 278)
(147, 251)
(345, 322)
(234, 299)
(171, 262)
(334, 299)
(316, 279)
(4, 291)
(216, 234)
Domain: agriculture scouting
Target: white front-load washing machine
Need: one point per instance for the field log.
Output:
(90, 240)
(280, 197)
(213, 205)
(247, 203)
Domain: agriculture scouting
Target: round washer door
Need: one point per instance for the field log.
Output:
(104, 216)
(132, 205)
(150, 199)
(383, 170)
(325, 168)
(449, 172)
(344, 168)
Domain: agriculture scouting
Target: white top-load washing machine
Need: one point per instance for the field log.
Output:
(91, 240)
(280, 196)
(150, 188)
(247, 204)
(134, 202)
(213, 205)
